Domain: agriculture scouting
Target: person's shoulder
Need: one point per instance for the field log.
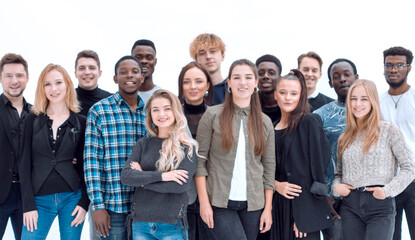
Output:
(388, 126)
(217, 109)
(104, 92)
(325, 97)
(311, 119)
(108, 101)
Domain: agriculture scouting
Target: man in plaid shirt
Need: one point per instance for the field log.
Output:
(114, 125)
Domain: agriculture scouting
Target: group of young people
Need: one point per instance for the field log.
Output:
(256, 155)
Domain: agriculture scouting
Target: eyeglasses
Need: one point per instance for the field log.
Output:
(399, 66)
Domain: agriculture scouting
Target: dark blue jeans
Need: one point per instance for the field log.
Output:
(12, 208)
(334, 232)
(405, 201)
(235, 222)
(198, 230)
(365, 217)
(118, 229)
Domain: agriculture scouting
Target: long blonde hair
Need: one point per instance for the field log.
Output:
(41, 102)
(171, 153)
(370, 124)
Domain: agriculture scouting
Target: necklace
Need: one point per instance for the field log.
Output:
(400, 96)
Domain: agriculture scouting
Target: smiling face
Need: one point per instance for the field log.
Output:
(147, 57)
(288, 95)
(360, 103)
(87, 72)
(268, 74)
(195, 85)
(396, 78)
(242, 83)
(342, 75)
(55, 87)
(162, 114)
(128, 78)
(310, 68)
(210, 59)
(13, 79)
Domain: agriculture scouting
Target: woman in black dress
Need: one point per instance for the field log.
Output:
(300, 209)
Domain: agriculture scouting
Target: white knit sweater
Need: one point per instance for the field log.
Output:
(379, 165)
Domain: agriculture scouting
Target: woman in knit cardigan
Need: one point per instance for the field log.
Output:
(160, 167)
(370, 152)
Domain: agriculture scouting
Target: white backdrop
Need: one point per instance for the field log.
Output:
(55, 31)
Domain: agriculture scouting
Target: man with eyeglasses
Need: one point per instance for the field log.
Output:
(398, 106)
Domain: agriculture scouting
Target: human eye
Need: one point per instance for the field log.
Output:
(315, 70)
(336, 77)
(47, 83)
(186, 82)
(199, 81)
(201, 53)
(59, 82)
(149, 57)
(272, 72)
(92, 67)
(261, 73)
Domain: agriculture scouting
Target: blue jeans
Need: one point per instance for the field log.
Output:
(235, 222)
(118, 229)
(162, 231)
(365, 217)
(12, 208)
(405, 201)
(50, 206)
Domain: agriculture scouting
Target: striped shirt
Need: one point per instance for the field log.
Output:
(112, 131)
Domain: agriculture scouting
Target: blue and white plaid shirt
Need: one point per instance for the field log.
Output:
(111, 133)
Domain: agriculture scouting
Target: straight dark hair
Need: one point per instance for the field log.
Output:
(302, 107)
(255, 121)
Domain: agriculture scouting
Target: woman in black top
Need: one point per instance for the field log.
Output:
(54, 135)
(300, 209)
(195, 94)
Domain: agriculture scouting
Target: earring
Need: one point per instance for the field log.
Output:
(229, 90)
(256, 89)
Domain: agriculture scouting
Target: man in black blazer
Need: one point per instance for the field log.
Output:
(13, 109)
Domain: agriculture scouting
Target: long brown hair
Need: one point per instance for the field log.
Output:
(302, 107)
(370, 124)
(255, 121)
(208, 98)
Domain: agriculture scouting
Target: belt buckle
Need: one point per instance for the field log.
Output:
(362, 189)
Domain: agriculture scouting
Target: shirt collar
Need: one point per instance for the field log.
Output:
(246, 111)
(6, 102)
(119, 100)
(314, 94)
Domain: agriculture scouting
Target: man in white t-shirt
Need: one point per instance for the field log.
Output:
(398, 106)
